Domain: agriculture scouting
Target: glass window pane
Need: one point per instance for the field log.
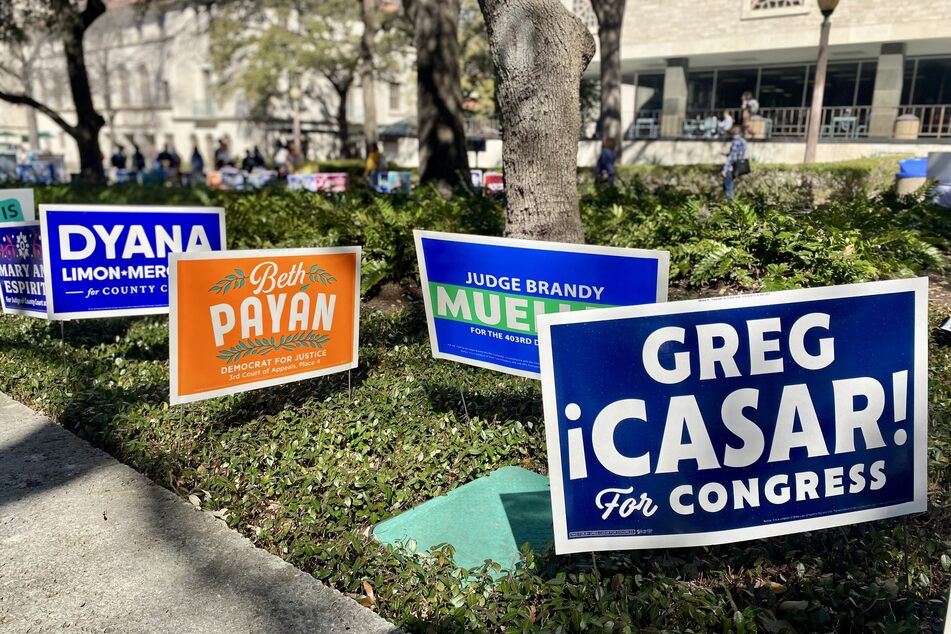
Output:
(866, 83)
(782, 87)
(700, 90)
(650, 93)
(731, 84)
(840, 85)
(908, 81)
(933, 82)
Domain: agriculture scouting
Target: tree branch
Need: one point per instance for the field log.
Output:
(24, 100)
(94, 8)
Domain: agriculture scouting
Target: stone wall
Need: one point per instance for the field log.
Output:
(677, 28)
(695, 152)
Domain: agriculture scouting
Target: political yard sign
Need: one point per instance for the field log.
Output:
(482, 294)
(109, 261)
(16, 205)
(241, 320)
(21, 269)
(713, 421)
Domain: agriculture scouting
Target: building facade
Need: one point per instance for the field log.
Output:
(153, 82)
(686, 62)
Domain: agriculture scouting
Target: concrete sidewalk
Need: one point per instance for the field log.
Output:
(89, 545)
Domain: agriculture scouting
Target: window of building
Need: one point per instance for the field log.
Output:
(782, 87)
(145, 86)
(394, 95)
(866, 85)
(648, 93)
(773, 8)
(122, 76)
(206, 87)
(908, 81)
(927, 82)
(700, 88)
(731, 84)
(840, 85)
(57, 92)
(847, 84)
(765, 5)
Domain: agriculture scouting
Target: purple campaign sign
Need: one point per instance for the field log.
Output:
(21, 269)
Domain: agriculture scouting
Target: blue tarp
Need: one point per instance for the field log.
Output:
(913, 168)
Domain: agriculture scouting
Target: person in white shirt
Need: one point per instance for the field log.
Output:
(725, 124)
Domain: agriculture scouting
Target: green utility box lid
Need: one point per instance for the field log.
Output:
(489, 518)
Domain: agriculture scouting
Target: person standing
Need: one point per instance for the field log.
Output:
(748, 109)
(258, 157)
(119, 159)
(371, 168)
(736, 161)
(247, 163)
(164, 158)
(222, 154)
(198, 165)
(605, 169)
(138, 159)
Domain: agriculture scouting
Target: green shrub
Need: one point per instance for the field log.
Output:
(752, 246)
(798, 186)
(278, 218)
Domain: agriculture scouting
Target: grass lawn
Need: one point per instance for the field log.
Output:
(304, 471)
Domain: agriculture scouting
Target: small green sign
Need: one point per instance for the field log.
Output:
(10, 210)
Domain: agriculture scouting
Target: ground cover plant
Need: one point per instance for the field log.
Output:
(305, 471)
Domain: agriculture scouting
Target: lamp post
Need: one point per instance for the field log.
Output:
(295, 94)
(819, 86)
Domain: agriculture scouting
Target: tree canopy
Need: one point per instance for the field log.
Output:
(265, 49)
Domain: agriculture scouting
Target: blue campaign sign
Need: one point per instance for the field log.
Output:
(713, 421)
(21, 269)
(482, 294)
(108, 261)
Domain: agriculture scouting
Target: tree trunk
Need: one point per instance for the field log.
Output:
(442, 143)
(343, 123)
(371, 134)
(610, 18)
(539, 51)
(88, 121)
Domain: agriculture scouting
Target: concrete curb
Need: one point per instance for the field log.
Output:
(88, 544)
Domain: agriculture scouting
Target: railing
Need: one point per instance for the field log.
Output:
(843, 123)
(786, 122)
(204, 108)
(933, 121)
(646, 125)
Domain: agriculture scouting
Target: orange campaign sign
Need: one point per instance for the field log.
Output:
(242, 320)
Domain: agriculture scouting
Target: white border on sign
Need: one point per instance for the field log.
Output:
(174, 258)
(663, 273)
(114, 312)
(919, 503)
(27, 201)
(39, 314)
(947, 618)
